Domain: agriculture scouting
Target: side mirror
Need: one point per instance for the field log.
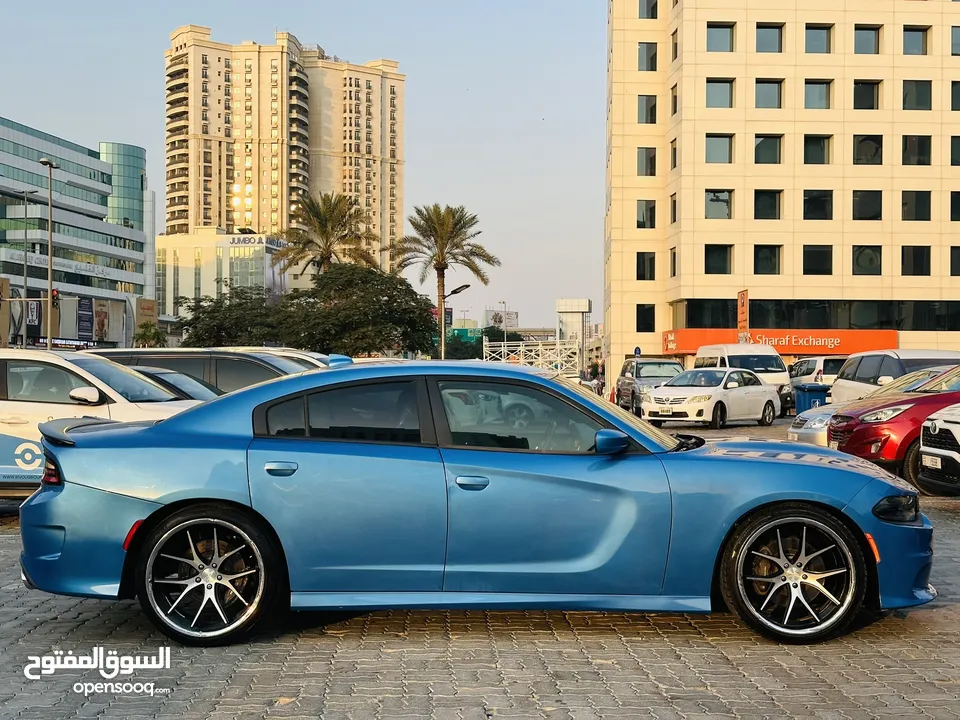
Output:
(610, 442)
(883, 380)
(732, 384)
(86, 396)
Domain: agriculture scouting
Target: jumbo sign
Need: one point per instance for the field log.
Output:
(270, 242)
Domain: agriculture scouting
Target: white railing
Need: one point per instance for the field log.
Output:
(560, 355)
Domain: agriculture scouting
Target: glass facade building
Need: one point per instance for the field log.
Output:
(129, 180)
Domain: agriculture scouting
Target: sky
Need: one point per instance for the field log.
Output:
(505, 110)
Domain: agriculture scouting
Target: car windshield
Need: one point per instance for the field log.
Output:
(191, 386)
(131, 386)
(758, 363)
(284, 365)
(909, 382)
(658, 370)
(697, 378)
(595, 402)
(945, 382)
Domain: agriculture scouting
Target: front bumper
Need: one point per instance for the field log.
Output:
(877, 442)
(944, 480)
(685, 412)
(814, 436)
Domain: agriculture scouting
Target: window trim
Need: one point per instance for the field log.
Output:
(428, 433)
(445, 439)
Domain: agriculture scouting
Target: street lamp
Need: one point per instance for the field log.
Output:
(23, 304)
(443, 319)
(504, 321)
(50, 165)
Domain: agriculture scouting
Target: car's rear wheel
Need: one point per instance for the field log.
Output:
(635, 408)
(794, 573)
(208, 574)
(911, 466)
(768, 415)
(719, 417)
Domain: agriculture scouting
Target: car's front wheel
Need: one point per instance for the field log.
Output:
(768, 415)
(794, 573)
(208, 574)
(911, 466)
(719, 417)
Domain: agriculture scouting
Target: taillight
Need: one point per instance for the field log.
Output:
(51, 475)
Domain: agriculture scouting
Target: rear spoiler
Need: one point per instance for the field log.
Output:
(337, 360)
(57, 431)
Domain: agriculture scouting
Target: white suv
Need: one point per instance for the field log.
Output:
(864, 372)
(940, 453)
(38, 385)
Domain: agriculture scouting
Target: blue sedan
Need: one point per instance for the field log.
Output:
(415, 485)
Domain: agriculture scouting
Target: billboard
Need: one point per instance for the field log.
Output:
(101, 319)
(85, 318)
(743, 317)
(146, 311)
(492, 316)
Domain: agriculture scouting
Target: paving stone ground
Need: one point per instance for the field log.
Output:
(477, 665)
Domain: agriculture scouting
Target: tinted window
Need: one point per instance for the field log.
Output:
(758, 363)
(849, 369)
(285, 365)
(194, 365)
(890, 367)
(235, 373)
(832, 366)
(705, 362)
(869, 369)
(384, 412)
(132, 386)
(655, 370)
(286, 419)
(39, 382)
(920, 364)
(514, 417)
(750, 379)
(698, 378)
(189, 385)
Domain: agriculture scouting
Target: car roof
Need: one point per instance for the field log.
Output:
(910, 354)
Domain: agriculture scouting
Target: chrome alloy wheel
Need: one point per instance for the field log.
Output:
(204, 577)
(796, 576)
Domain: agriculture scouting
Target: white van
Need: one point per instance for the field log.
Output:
(764, 360)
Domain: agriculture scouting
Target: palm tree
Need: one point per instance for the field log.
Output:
(444, 238)
(335, 229)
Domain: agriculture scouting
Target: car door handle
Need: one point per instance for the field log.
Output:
(280, 469)
(472, 482)
(13, 421)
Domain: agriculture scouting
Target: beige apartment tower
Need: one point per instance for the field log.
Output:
(250, 128)
(805, 151)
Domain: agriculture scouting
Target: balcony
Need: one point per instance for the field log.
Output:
(296, 88)
(180, 94)
(180, 228)
(298, 100)
(178, 123)
(297, 113)
(176, 79)
(177, 202)
(174, 105)
(177, 61)
(180, 188)
(296, 140)
(178, 132)
(178, 159)
(298, 72)
(177, 145)
(298, 182)
(174, 174)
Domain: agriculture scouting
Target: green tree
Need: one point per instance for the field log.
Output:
(355, 310)
(460, 349)
(334, 229)
(494, 334)
(149, 335)
(240, 316)
(444, 239)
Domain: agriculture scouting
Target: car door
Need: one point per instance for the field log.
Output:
(533, 510)
(34, 392)
(756, 393)
(735, 398)
(867, 373)
(844, 387)
(351, 479)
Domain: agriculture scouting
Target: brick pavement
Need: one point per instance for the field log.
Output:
(476, 665)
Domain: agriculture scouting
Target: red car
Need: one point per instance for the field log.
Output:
(887, 430)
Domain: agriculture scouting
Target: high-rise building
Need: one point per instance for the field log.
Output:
(99, 240)
(250, 128)
(806, 153)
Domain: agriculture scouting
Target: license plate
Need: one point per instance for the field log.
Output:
(792, 437)
(665, 411)
(834, 445)
(930, 461)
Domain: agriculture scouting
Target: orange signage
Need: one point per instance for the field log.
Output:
(786, 342)
(743, 315)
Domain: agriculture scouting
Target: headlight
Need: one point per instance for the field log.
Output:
(700, 398)
(818, 422)
(898, 508)
(783, 389)
(645, 388)
(645, 398)
(878, 416)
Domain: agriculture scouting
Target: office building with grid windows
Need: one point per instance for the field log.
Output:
(807, 153)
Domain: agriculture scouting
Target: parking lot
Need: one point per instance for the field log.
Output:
(474, 665)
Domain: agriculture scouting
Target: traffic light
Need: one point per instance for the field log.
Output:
(55, 297)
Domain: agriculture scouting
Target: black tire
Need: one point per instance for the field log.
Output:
(719, 418)
(657, 423)
(783, 410)
(634, 408)
(744, 571)
(769, 413)
(266, 590)
(911, 466)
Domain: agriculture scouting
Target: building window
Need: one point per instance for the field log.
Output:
(818, 204)
(720, 37)
(646, 266)
(674, 157)
(917, 95)
(766, 149)
(766, 259)
(648, 10)
(955, 261)
(955, 95)
(719, 93)
(646, 318)
(816, 149)
(673, 262)
(673, 208)
(866, 94)
(646, 214)
(867, 205)
(719, 149)
(955, 41)
(955, 150)
(674, 101)
(818, 259)
(717, 259)
(954, 206)
(647, 61)
(817, 94)
(868, 149)
(769, 94)
(915, 260)
(766, 204)
(719, 204)
(769, 38)
(646, 161)
(915, 205)
(916, 149)
(817, 38)
(914, 40)
(867, 259)
(647, 109)
(674, 46)
(866, 39)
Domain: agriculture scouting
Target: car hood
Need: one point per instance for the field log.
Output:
(828, 410)
(949, 413)
(676, 391)
(862, 407)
